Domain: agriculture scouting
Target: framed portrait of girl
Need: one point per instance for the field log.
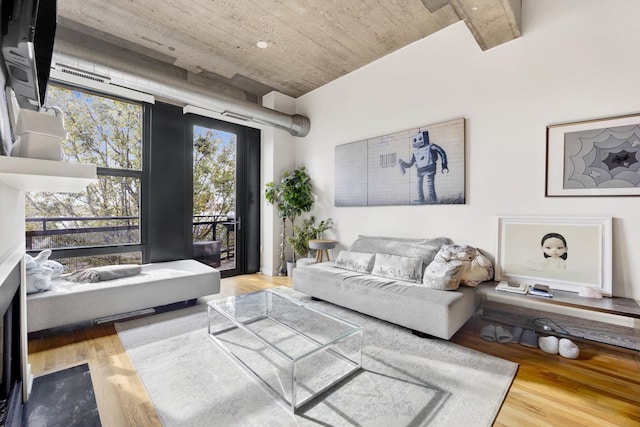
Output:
(565, 253)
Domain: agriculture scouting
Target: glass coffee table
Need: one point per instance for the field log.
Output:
(295, 350)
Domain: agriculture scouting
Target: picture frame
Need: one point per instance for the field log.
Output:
(522, 244)
(594, 158)
(419, 166)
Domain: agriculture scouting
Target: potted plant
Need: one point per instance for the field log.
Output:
(308, 230)
(292, 197)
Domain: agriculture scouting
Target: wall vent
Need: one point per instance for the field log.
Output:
(82, 73)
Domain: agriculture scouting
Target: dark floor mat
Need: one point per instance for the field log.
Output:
(62, 398)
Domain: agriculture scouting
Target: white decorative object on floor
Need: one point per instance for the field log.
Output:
(568, 349)
(564, 346)
(548, 344)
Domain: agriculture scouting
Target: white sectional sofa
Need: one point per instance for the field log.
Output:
(422, 309)
(159, 284)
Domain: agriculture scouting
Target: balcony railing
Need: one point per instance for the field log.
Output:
(70, 232)
(212, 228)
(73, 232)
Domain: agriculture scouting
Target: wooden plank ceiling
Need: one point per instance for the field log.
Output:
(308, 42)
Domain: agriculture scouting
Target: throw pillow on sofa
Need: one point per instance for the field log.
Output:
(359, 262)
(477, 268)
(408, 269)
(444, 276)
(407, 247)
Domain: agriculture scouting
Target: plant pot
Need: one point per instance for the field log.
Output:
(290, 267)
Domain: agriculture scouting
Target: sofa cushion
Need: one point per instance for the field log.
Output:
(417, 248)
(408, 269)
(355, 261)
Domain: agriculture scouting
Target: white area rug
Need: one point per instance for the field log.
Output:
(405, 380)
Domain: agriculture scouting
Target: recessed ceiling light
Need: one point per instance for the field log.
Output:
(262, 44)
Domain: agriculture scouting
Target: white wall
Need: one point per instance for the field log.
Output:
(277, 156)
(11, 200)
(12, 220)
(576, 60)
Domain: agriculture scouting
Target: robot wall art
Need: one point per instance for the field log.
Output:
(420, 166)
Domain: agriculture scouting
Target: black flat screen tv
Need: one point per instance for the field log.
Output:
(28, 34)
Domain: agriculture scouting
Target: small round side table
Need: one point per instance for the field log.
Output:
(322, 248)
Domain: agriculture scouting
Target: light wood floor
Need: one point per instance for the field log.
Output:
(601, 388)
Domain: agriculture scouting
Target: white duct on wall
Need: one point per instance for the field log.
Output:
(162, 85)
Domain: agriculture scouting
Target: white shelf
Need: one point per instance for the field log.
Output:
(45, 175)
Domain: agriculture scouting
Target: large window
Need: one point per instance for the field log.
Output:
(102, 224)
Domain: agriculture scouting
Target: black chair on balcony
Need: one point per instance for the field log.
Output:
(207, 251)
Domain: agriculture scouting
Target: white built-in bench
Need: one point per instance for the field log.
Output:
(159, 284)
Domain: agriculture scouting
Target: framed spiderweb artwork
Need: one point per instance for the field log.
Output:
(594, 158)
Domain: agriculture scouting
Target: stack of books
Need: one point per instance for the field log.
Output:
(517, 288)
(541, 290)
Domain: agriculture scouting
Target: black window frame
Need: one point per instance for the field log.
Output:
(143, 175)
